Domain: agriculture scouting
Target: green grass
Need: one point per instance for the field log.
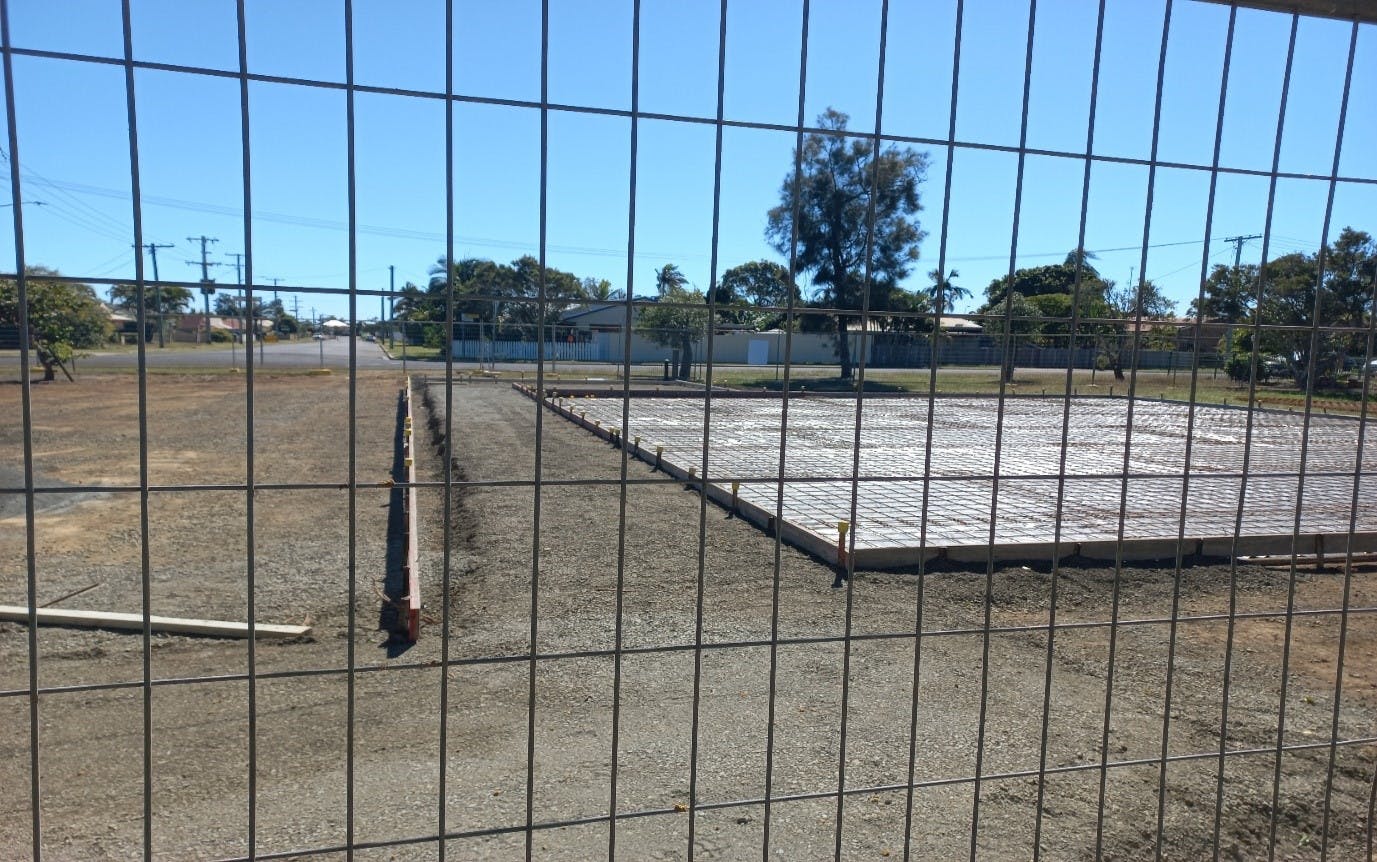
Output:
(1210, 388)
(417, 353)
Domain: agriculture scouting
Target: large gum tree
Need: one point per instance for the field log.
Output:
(826, 208)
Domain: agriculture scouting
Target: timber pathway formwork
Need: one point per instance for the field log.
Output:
(892, 531)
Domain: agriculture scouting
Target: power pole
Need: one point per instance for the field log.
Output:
(248, 316)
(238, 266)
(277, 308)
(206, 281)
(391, 293)
(1238, 242)
(157, 286)
(382, 300)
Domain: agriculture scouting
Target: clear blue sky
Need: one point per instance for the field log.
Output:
(72, 127)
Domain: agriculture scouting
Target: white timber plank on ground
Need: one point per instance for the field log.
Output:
(170, 625)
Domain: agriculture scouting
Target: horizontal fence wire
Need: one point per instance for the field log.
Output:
(464, 342)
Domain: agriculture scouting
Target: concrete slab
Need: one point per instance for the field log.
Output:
(1050, 502)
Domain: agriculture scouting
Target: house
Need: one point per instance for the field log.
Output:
(191, 328)
(124, 327)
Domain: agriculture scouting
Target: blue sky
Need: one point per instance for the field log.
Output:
(74, 154)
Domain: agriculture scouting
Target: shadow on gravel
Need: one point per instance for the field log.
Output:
(394, 580)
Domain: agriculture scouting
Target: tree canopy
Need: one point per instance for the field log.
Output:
(828, 208)
(1044, 299)
(164, 299)
(1337, 282)
(63, 316)
(679, 321)
(493, 293)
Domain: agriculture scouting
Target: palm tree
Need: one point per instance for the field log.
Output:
(668, 278)
(600, 290)
(943, 293)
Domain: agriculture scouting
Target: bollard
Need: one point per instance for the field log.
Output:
(736, 487)
(637, 443)
(692, 477)
(842, 527)
(659, 452)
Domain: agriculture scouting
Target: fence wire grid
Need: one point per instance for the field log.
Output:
(614, 664)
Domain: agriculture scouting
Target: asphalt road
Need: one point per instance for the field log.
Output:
(331, 353)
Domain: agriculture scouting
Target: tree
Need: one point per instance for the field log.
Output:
(1044, 306)
(63, 316)
(943, 291)
(159, 303)
(668, 277)
(757, 283)
(761, 282)
(677, 322)
(600, 290)
(829, 206)
(1131, 310)
(232, 305)
(504, 297)
(1289, 300)
(167, 299)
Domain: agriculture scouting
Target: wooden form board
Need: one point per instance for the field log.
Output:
(412, 599)
(170, 625)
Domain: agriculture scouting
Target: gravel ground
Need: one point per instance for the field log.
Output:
(91, 748)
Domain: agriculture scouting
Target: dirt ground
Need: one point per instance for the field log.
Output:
(92, 741)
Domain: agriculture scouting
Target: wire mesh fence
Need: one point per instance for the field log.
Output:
(831, 572)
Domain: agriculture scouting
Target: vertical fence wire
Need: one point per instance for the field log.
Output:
(1006, 371)
(791, 303)
(1198, 327)
(1345, 604)
(539, 407)
(1107, 727)
(1308, 414)
(1248, 437)
(1067, 399)
(447, 597)
(848, 566)
(938, 309)
(26, 420)
(624, 462)
(1135, 367)
(145, 559)
(250, 581)
(700, 587)
(351, 205)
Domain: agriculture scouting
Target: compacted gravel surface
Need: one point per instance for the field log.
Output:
(776, 689)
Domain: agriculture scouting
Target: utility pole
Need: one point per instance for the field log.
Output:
(1238, 242)
(238, 266)
(382, 300)
(157, 286)
(206, 281)
(277, 308)
(391, 296)
(248, 315)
